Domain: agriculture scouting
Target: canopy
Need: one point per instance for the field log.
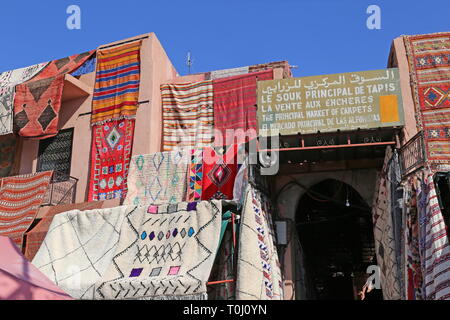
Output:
(20, 280)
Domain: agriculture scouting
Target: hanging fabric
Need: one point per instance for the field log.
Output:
(258, 267)
(117, 81)
(235, 101)
(188, 115)
(111, 151)
(158, 178)
(20, 199)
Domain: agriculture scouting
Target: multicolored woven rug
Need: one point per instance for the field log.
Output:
(8, 81)
(36, 236)
(436, 249)
(188, 115)
(219, 173)
(235, 107)
(164, 252)
(112, 145)
(429, 61)
(20, 199)
(78, 248)
(116, 91)
(6, 110)
(258, 268)
(62, 66)
(36, 107)
(195, 176)
(384, 235)
(8, 146)
(157, 178)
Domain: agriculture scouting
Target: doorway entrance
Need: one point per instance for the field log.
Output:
(335, 232)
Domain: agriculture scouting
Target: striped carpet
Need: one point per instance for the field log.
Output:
(188, 115)
(116, 91)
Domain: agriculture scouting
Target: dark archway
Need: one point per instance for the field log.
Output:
(335, 231)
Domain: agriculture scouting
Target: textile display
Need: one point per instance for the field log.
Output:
(436, 249)
(157, 178)
(258, 267)
(235, 108)
(20, 199)
(220, 169)
(8, 81)
(164, 252)
(385, 244)
(87, 67)
(116, 90)
(219, 74)
(62, 66)
(414, 277)
(430, 74)
(397, 196)
(36, 236)
(36, 107)
(8, 146)
(6, 109)
(188, 115)
(78, 248)
(38, 100)
(223, 269)
(195, 176)
(17, 76)
(111, 149)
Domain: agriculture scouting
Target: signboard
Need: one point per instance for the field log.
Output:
(345, 101)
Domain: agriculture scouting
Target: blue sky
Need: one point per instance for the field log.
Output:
(319, 36)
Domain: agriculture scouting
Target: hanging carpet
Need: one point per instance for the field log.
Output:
(20, 199)
(157, 178)
(164, 252)
(111, 150)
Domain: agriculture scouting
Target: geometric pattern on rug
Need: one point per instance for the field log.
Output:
(158, 178)
(20, 199)
(165, 252)
(78, 248)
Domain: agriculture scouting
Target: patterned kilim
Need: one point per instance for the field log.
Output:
(17, 76)
(36, 107)
(62, 66)
(258, 268)
(164, 252)
(20, 198)
(36, 236)
(219, 173)
(195, 176)
(429, 59)
(6, 109)
(8, 81)
(78, 249)
(8, 145)
(87, 67)
(436, 257)
(384, 235)
(112, 144)
(116, 91)
(188, 115)
(414, 276)
(157, 178)
(235, 107)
